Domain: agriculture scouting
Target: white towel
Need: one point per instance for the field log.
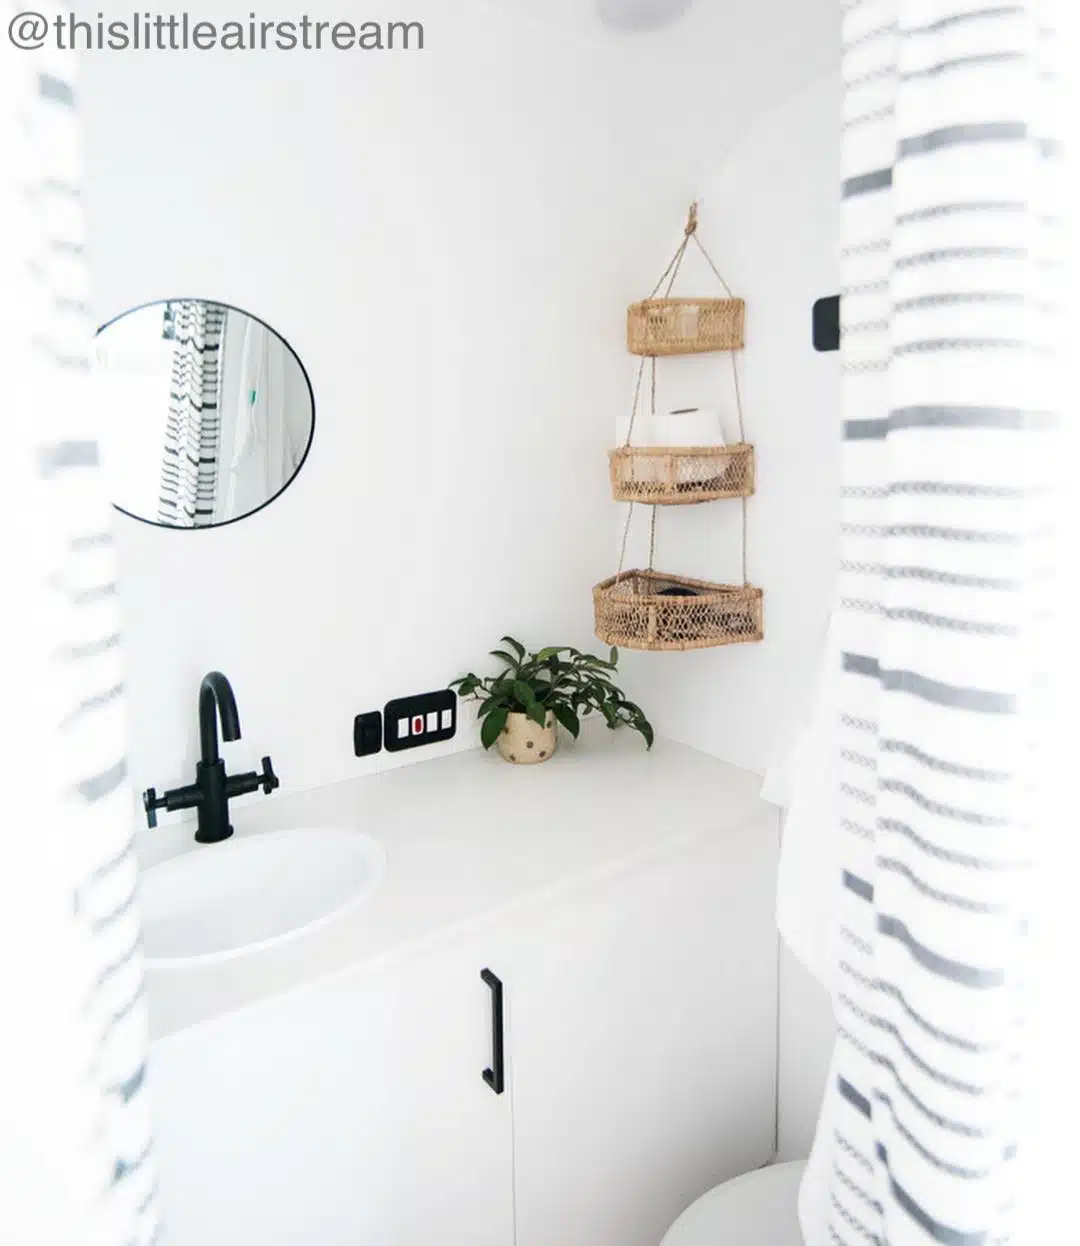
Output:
(803, 778)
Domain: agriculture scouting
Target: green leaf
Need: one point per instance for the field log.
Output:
(523, 693)
(516, 645)
(538, 713)
(568, 718)
(492, 703)
(614, 659)
(545, 655)
(645, 727)
(503, 656)
(493, 725)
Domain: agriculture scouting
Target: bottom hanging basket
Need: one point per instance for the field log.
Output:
(647, 610)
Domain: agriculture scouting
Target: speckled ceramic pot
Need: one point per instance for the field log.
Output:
(525, 742)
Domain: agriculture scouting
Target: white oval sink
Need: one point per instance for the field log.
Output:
(221, 900)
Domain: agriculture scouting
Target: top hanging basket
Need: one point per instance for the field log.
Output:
(685, 326)
(681, 326)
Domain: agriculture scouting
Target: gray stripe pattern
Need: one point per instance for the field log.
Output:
(948, 254)
(189, 470)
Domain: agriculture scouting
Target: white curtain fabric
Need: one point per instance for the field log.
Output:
(267, 425)
(75, 1152)
(951, 296)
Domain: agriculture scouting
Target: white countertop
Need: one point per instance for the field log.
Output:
(466, 837)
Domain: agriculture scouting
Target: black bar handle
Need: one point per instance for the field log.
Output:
(496, 1075)
(151, 804)
(268, 780)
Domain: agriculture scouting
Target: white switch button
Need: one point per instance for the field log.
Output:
(447, 719)
(433, 721)
(402, 728)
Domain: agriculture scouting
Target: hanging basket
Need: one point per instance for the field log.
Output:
(681, 475)
(683, 326)
(648, 610)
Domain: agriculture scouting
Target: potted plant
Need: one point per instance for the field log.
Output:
(523, 705)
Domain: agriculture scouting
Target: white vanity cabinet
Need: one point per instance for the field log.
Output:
(642, 1042)
(348, 1113)
(638, 965)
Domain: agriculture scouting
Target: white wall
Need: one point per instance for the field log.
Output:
(770, 218)
(449, 240)
(432, 235)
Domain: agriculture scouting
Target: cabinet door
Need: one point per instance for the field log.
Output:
(642, 1043)
(349, 1113)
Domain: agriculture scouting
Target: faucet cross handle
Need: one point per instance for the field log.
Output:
(152, 803)
(268, 780)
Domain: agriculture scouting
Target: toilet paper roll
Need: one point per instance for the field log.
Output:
(688, 426)
(685, 426)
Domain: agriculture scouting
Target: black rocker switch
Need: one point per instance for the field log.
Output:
(367, 733)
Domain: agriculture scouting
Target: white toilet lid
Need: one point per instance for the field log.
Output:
(758, 1209)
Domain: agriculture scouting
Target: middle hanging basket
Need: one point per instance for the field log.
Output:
(648, 610)
(681, 475)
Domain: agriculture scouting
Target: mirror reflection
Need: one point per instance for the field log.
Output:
(206, 414)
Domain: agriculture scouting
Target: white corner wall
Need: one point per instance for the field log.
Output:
(770, 218)
(449, 240)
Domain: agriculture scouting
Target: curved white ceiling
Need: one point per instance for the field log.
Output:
(640, 14)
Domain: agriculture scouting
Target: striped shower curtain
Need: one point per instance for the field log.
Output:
(75, 1156)
(950, 281)
(189, 470)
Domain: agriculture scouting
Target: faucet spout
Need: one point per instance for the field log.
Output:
(216, 700)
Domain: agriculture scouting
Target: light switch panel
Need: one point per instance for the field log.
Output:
(411, 722)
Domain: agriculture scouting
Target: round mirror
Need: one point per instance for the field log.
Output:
(206, 414)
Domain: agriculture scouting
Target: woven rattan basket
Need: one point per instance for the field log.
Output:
(663, 325)
(684, 326)
(645, 610)
(681, 476)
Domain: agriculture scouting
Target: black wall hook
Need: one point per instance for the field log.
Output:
(826, 323)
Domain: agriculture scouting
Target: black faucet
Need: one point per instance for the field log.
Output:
(213, 788)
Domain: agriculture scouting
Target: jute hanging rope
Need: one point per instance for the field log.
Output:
(646, 609)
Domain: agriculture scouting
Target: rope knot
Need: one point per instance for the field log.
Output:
(692, 220)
